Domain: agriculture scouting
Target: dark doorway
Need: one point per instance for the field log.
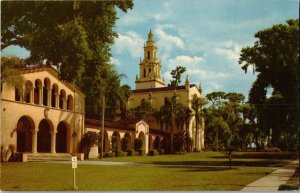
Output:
(61, 138)
(24, 134)
(44, 137)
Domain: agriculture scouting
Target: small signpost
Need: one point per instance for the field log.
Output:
(74, 166)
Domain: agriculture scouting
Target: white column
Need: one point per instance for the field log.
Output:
(53, 141)
(34, 140)
(64, 103)
(31, 100)
(49, 97)
(56, 100)
(40, 95)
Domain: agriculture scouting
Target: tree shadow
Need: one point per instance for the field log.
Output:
(237, 163)
(189, 168)
(260, 155)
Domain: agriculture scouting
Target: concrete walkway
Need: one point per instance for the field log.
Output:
(272, 181)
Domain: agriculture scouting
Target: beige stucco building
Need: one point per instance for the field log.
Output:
(150, 87)
(48, 117)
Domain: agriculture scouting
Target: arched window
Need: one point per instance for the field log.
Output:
(17, 94)
(46, 90)
(28, 91)
(148, 55)
(144, 72)
(54, 94)
(62, 99)
(36, 91)
(70, 102)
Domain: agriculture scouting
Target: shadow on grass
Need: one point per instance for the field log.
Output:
(261, 155)
(258, 163)
(201, 168)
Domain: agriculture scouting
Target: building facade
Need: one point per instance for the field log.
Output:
(48, 117)
(150, 87)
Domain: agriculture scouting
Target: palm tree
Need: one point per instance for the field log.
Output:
(197, 104)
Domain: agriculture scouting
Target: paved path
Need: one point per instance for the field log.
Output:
(272, 181)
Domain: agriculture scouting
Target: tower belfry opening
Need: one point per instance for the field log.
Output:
(150, 67)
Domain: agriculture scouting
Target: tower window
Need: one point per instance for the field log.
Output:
(144, 72)
(149, 70)
(148, 55)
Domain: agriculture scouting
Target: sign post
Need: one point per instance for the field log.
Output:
(74, 166)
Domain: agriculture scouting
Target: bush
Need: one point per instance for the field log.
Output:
(153, 152)
(161, 151)
(157, 143)
(288, 187)
(142, 152)
(138, 144)
(130, 152)
(124, 144)
(107, 154)
(118, 153)
(88, 140)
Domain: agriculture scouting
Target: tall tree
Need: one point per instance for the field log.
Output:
(74, 35)
(275, 57)
(10, 73)
(176, 75)
(197, 104)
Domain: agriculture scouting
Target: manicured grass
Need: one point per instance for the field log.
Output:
(195, 171)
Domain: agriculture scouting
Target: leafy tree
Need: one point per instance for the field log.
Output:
(75, 36)
(125, 92)
(10, 74)
(275, 57)
(88, 140)
(176, 75)
(216, 98)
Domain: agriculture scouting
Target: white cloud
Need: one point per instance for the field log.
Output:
(205, 74)
(229, 49)
(184, 60)
(115, 61)
(166, 41)
(130, 42)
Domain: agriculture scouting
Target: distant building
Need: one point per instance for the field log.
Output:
(47, 118)
(150, 87)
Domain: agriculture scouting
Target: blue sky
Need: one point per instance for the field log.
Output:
(206, 36)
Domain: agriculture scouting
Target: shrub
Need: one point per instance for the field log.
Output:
(118, 153)
(142, 152)
(161, 151)
(124, 144)
(130, 152)
(153, 152)
(107, 154)
(157, 143)
(88, 140)
(114, 143)
(288, 187)
(138, 144)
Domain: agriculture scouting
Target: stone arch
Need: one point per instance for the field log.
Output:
(44, 136)
(62, 99)
(25, 126)
(143, 138)
(63, 137)
(54, 94)
(46, 91)
(117, 144)
(37, 91)
(70, 102)
(28, 91)
(128, 135)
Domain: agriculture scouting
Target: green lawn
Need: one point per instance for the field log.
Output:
(209, 171)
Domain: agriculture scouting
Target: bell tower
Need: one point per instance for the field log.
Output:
(150, 67)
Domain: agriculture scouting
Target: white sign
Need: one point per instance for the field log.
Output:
(74, 159)
(74, 165)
